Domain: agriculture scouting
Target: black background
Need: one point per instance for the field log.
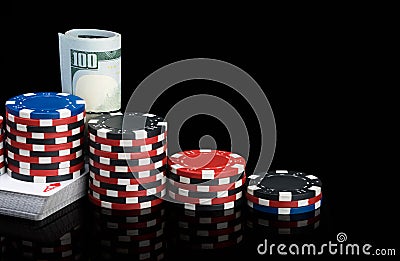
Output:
(327, 78)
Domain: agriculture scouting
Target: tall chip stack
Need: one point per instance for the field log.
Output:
(206, 180)
(127, 158)
(284, 202)
(2, 154)
(129, 235)
(44, 152)
(45, 137)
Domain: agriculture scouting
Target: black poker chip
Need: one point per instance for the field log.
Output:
(132, 125)
(47, 179)
(125, 175)
(49, 166)
(30, 153)
(133, 162)
(202, 208)
(283, 185)
(116, 187)
(45, 141)
(132, 149)
(206, 182)
(198, 194)
(127, 200)
(60, 128)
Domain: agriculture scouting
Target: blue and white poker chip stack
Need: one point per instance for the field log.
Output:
(45, 137)
(44, 141)
(286, 202)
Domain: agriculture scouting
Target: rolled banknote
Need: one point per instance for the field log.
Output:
(90, 64)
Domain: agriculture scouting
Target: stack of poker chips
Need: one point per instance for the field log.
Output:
(127, 160)
(2, 160)
(206, 180)
(45, 137)
(209, 230)
(129, 235)
(285, 202)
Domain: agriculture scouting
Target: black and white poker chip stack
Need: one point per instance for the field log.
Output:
(284, 202)
(127, 158)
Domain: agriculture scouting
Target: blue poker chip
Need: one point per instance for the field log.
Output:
(45, 105)
(284, 211)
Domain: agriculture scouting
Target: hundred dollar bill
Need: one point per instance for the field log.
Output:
(90, 64)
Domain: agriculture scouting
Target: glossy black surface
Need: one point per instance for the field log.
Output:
(328, 78)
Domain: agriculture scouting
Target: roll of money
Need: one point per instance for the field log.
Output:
(90, 64)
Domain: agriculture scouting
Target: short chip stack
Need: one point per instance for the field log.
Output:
(44, 137)
(2, 154)
(129, 235)
(127, 160)
(284, 201)
(206, 179)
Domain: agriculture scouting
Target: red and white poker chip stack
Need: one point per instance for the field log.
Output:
(127, 160)
(206, 179)
(44, 137)
(2, 154)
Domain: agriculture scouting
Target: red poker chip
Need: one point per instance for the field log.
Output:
(128, 169)
(128, 143)
(45, 122)
(118, 206)
(44, 160)
(283, 204)
(203, 188)
(35, 147)
(46, 173)
(127, 181)
(128, 156)
(116, 193)
(205, 201)
(2, 164)
(45, 135)
(206, 164)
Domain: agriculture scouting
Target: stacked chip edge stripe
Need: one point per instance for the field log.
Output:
(303, 186)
